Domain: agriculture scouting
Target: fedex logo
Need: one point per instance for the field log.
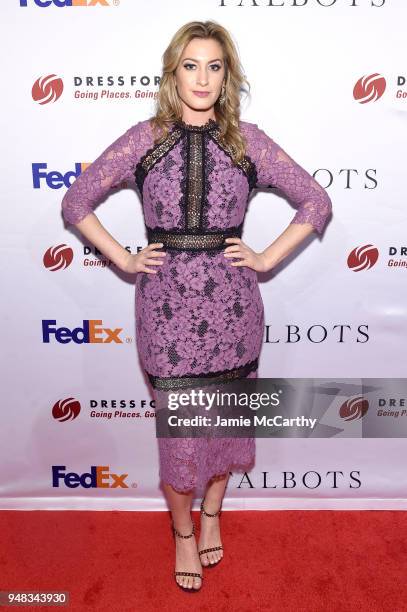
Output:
(98, 477)
(90, 333)
(64, 3)
(54, 179)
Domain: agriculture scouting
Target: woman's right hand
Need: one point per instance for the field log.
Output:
(146, 257)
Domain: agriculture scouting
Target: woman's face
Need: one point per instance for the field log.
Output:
(201, 69)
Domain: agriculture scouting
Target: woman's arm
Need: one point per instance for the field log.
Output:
(98, 235)
(285, 243)
(114, 165)
(275, 168)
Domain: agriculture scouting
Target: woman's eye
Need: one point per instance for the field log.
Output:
(214, 67)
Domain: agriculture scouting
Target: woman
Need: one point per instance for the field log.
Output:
(199, 311)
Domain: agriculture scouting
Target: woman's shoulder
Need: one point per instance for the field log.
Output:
(254, 135)
(146, 131)
(250, 128)
(247, 125)
(141, 126)
(140, 136)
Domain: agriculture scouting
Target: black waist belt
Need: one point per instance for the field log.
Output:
(194, 241)
(202, 380)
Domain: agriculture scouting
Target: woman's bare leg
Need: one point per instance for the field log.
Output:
(187, 558)
(210, 530)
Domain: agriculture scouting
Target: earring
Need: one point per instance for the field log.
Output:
(222, 97)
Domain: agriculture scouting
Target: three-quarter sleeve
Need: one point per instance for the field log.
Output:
(275, 168)
(114, 165)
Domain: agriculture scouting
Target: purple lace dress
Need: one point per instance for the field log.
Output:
(198, 315)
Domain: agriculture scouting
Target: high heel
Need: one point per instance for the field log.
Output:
(206, 550)
(195, 574)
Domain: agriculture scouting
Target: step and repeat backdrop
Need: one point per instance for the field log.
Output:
(329, 84)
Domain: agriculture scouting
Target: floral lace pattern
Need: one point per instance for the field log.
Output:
(114, 165)
(189, 463)
(197, 314)
(276, 168)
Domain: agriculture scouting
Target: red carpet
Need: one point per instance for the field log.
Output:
(302, 561)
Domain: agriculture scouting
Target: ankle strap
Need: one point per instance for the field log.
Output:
(206, 513)
(180, 534)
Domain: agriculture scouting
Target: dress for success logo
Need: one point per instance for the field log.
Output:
(363, 257)
(369, 88)
(66, 409)
(57, 257)
(98, 477)
(47, 89)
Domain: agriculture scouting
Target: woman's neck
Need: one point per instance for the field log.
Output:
(192, 117)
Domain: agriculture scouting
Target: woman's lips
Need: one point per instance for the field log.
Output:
(201, 94)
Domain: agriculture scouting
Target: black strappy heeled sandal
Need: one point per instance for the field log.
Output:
(206, 550)
(195, 574)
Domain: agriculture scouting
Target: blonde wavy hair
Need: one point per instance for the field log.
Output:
(168, 105)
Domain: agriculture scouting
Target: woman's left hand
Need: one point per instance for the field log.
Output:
(249, 258)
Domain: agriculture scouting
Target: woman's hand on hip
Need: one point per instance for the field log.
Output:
(248, 257)
(149, 256)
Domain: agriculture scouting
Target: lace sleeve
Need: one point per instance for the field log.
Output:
(275, 168)
(114, 165)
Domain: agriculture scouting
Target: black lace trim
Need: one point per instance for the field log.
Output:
(200, 380)
(246, 165)
(197, 240)
(208, 168)
(184, 154)
(180, 129)
(153, 155)
(195, 181)
(209, 125)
